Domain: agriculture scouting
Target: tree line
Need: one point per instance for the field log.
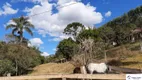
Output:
(120, 29)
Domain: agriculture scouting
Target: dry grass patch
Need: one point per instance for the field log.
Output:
(53, 68)
(133, 62)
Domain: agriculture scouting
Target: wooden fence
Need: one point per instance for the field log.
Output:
(68, 76)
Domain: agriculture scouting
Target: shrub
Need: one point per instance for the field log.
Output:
(6, 66)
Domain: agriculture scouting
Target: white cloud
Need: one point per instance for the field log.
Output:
(26, 9)
(54, 49)
(34, 1)
(62, 2)
(7, 9)
(60, 37)
(53, 24)
(108, 14)
(35, 42)
(45, 54)
(55, 39)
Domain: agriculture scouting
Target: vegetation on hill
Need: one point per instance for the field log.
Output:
(18, 59)
(15, 55)
(118, 30)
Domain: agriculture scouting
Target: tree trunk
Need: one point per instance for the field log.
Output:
(16, 67)
(21, 37)
(141, 46)
(105, 56)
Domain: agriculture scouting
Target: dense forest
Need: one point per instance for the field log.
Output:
(120, 29)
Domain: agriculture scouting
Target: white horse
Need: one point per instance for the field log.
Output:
(95, 67)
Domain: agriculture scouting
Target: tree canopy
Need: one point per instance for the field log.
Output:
(73, 29)
(19, 59)
(66, 49)
(120, 28)
(18, 27)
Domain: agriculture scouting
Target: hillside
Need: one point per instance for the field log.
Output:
(53, 68)
(133, 59)
(67, 68)
(133, 62)
(121, 28)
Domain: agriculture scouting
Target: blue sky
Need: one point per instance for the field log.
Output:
(49, 26)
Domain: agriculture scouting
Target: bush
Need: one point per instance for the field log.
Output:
(21, 57)
(6, 66)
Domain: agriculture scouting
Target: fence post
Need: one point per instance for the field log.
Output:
(9, 75)
(63, 78)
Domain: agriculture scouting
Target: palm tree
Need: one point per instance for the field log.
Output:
(20, 25)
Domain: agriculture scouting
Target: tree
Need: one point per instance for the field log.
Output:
(73, 29)
(87, 34)
(24, 58)
(15, 39)
(66, 49)
(21, 57)
(6, 66)
(119, 29)
(106, 33)
(20, 24)
(89, 51)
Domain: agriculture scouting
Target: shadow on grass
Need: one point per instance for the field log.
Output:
(131, 63)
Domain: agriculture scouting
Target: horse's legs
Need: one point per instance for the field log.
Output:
(91, 74)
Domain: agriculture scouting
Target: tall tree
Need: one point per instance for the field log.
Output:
(73, 29)
(89, 33)
(20, 24)
(66, 49)
(106, 33)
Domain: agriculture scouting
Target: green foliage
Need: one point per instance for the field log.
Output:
(66, 49)
(52, 58)
(106, 33)
(6, 66)
(119, 29)
(89, 33)
(20, 25)
(73, 29)
(21, 57)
